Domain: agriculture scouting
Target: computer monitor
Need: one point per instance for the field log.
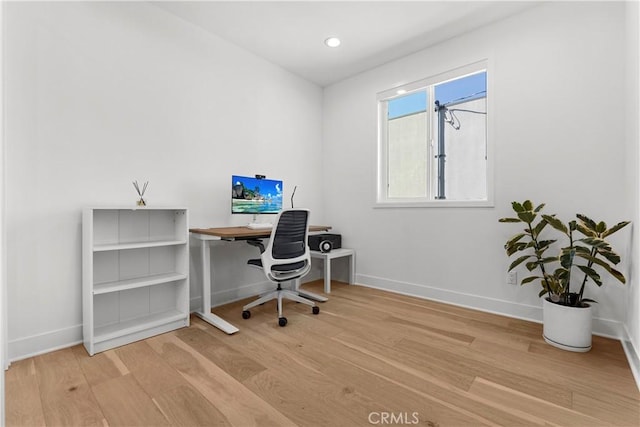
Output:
(251, 195)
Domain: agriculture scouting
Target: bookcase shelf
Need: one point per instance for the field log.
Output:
(136, 245)
(135, 279)
(121, 285)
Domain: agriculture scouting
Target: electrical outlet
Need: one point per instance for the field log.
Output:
(512, 278)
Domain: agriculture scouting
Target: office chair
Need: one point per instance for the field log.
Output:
(285, 258)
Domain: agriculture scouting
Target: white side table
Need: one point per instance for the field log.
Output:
(336, 253)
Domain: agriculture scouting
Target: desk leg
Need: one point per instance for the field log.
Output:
(206, 314)
(352, 268)
(327, 275)
(307, 294)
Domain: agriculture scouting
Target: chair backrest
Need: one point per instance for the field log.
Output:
(287, 254)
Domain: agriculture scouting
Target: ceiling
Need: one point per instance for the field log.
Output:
(292, 33)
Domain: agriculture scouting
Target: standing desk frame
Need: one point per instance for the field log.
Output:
(230, 234)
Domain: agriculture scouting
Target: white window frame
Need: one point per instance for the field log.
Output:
(382, 199)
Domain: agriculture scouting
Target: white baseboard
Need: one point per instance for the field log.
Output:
(634, 359)
(34, 345)
(602, 327)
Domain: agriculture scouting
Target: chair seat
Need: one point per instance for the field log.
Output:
(281, 267)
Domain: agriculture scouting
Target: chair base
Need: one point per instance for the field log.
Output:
(280, 294)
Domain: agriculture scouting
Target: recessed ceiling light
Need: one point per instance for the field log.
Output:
(401, 91)
(332, 42)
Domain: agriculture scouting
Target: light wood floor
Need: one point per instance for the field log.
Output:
(369, 358)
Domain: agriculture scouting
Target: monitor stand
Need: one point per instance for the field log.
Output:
(259, 225)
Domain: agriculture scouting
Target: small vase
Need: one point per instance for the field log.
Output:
(567, 327)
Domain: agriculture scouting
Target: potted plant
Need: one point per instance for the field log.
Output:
(566, 313)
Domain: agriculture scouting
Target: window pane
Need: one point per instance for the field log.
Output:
(473, 86)
(462, 111)
(407, 146)
(408, 104)
(466, 161)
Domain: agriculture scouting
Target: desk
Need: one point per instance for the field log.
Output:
(208, 235)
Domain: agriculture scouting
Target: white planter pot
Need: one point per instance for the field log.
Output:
(568, 328)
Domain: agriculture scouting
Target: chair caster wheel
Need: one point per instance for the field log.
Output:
(315, 310)
(282, 321)
(246, 314)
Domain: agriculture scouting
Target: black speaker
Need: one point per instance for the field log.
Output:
(325, 242)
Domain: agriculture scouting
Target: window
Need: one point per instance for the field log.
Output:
(433, 146)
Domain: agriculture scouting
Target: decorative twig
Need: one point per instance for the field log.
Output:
(141, 202)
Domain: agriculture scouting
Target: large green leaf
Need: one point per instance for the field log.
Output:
(582, 249)
(596, 242)
(527, 216)
(561, 273)
(527, 205)
(601, 227)
(615, 228)
(529, 279)
(517, 207)
(514, 239)
(519, 261)
(509, 220)
(516, 247)
(611, 256)
(593, 275)
(544, 244)
(595, 260)
(615, 273)
(539, 253)
(556, 223)
(585, 230)
(588, 222)
(538, 228)
(531, 265)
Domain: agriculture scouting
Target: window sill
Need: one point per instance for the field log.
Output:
(435, 204)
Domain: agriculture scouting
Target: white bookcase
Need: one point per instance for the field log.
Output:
(135, 274)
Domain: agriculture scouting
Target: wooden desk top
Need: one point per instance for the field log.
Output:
(245, 232)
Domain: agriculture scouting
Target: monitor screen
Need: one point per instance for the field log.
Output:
(250, 195)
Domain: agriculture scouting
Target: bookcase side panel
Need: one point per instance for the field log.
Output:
(87, 278)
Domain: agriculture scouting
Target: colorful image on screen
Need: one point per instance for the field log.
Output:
(250, 195)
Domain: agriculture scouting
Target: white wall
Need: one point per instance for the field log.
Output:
(632, 108)
(101, 94)
(3, 282)
(556, 91)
